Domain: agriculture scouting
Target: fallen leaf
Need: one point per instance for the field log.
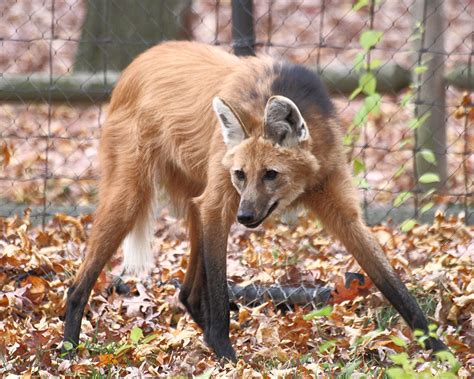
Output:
(343, 292)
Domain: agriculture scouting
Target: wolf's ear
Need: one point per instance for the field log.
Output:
(284, 123)
(231, 126)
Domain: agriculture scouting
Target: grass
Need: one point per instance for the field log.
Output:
(386, 316)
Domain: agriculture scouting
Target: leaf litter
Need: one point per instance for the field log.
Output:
(147, 332)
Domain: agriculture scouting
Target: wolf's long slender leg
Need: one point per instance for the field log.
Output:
(120, 204)
(337, 206)
(216, 211)
(193, 292)
(216, 333)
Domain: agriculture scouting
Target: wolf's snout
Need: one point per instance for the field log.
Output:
(246, 217)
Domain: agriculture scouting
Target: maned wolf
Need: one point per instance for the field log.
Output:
(227, 139)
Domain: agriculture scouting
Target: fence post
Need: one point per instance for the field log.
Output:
(243, 35)
(428, 77)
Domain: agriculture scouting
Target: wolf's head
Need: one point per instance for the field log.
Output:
(271, 170)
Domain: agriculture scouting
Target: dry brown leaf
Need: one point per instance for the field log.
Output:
(342, 293)
(464, 300)
(267, 335)
(6, 154)
(37, 288)
(244, 315)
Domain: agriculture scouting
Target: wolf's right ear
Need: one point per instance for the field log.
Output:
(231, 126)
(284, 123)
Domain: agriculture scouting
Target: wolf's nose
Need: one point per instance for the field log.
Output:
(245, 217)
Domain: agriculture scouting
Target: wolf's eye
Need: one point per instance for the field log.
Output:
(239, 174)
(270, 175)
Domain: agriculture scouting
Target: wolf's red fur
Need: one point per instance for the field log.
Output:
(271, 142)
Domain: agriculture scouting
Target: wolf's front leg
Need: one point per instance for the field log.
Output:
(216, 332)
(205, 291)
(337, 206)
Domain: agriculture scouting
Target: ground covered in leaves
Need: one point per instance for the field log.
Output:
(147, 332)
(49, 151)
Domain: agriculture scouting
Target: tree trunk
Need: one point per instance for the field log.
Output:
(116, 31)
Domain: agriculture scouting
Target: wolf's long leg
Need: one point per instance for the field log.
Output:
(337, 206)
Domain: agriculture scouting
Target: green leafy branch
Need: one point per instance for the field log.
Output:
(445, 364)
(426, 154)
(367, 86)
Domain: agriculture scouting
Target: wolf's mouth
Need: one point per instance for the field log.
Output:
(255, 224)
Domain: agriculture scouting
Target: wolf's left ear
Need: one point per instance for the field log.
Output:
(284, 123)
(231, 126)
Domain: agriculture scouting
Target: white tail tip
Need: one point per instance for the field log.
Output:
(137, 253)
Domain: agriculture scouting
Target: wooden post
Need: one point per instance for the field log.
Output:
(428, 77)
(243, 35)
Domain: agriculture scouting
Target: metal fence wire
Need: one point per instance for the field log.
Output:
(407, 135)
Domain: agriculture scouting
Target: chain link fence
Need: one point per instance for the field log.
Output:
(406, 138)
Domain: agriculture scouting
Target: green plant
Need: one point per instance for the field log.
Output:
(364, 65)
(112, 356)
(322, 312)
(426, 154)
(445, 365)
(136, 340)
